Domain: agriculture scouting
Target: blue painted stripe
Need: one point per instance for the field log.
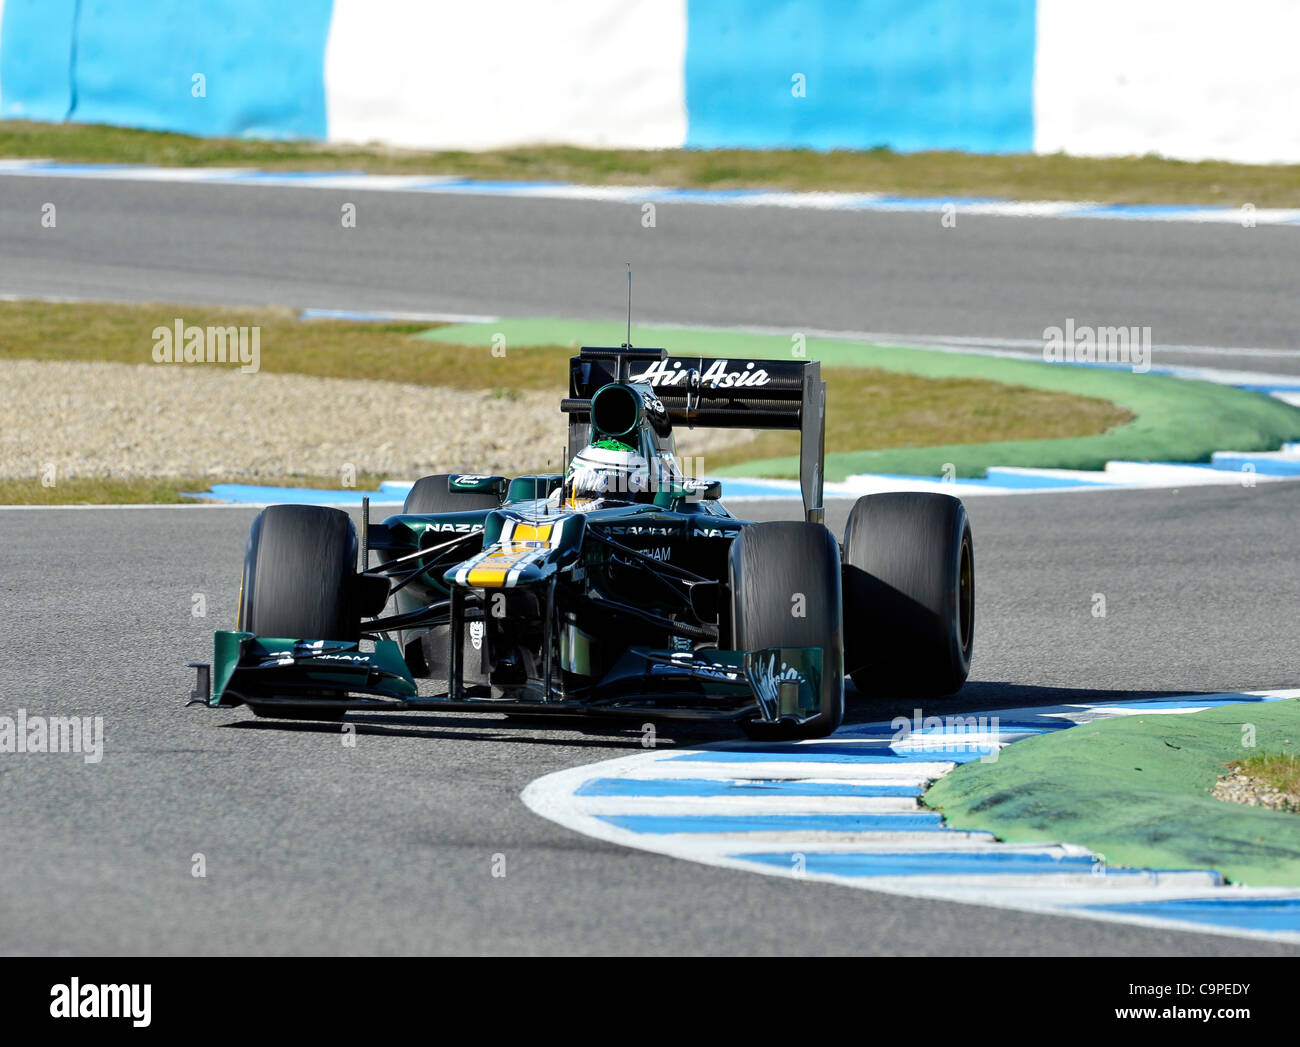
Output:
(757, 489)
(488, 185)
(659, 824)
(1025, 482)
(996, 476)
(907, 74)
(1247, 914)
(293, 495)
(346, 314)
(710, 787)
(930, 863)
(1136, 210)
(704, 195)
(830, 754)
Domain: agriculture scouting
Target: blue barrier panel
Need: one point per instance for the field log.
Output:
(906, 74)
(262, 63)
(36, 59)
(137, 63)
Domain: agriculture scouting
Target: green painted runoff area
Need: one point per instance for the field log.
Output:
(1137, 789)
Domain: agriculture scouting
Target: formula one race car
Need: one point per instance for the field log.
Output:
(621, 587)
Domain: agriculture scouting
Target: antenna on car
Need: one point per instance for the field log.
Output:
(624, 364)
(628, 343)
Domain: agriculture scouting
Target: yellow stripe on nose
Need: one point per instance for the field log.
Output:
(528, 533)
(493, 571)
(486, 577)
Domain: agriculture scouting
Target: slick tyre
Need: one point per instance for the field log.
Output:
(297, 584)
(909, 594)
(785, 592)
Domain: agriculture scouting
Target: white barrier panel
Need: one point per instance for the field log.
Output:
(1189, 79)
(455, 75)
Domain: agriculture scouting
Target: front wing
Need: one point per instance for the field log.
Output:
(772, 684)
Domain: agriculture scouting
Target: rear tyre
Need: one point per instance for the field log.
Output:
(427, 649)
(777, 570)
(297, 584)
(909, 594)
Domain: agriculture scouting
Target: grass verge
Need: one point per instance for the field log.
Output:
(867, 406)
(1134, 179)
(1137, 790)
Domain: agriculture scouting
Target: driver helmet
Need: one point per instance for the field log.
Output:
(608, 468)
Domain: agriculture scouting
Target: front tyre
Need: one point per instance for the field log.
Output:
(909, 594)
(785, 592)
(297, 584)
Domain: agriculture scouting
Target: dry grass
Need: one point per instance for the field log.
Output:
(1134, 179)
(119, 333)
(1278, 771)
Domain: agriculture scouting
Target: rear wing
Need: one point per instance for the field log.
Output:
(714, 392)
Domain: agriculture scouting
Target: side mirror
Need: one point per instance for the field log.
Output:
(463, 482)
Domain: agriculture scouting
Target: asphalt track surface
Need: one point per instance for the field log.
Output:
(988, 277)
(315, 847)
(388, 847)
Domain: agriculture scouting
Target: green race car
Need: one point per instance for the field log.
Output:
(621, 587)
